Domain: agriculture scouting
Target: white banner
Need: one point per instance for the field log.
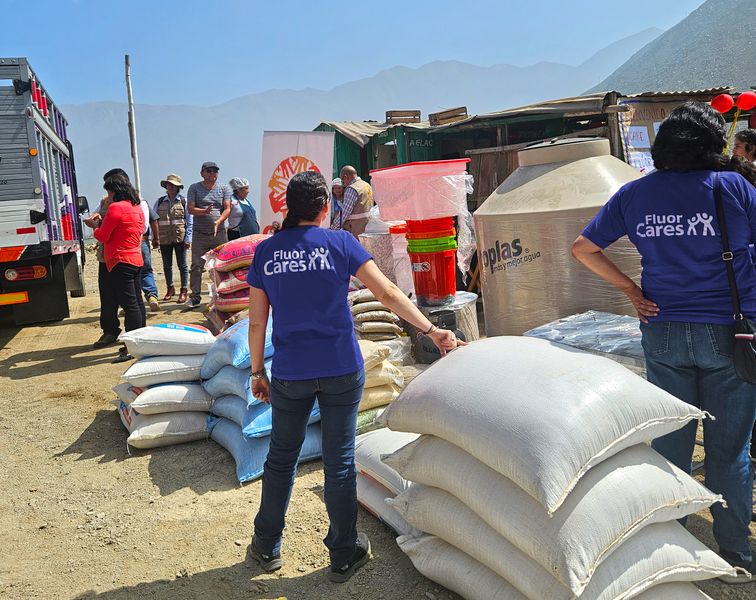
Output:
(284, 154)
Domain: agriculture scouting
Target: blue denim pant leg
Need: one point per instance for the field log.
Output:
(693, 361)
(292, 403)
(148, 277)
(339, 399)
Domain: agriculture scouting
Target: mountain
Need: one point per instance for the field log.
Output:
(713, 46)
(177, 139)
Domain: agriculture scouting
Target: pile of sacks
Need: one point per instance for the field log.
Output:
(383, 382)
(372, 320)
(228, 266)
(161, 401)
(531, 478)
(240, 422)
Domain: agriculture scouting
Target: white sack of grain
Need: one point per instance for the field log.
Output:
(372, 497)
(455, 570)
(663, 552)
(166, 429)
(614, 500)
(539, 414)
(164, 369)
(172, 397)
(368, 449)
(167, 339)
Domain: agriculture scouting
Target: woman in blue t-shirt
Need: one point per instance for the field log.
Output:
(684, 299)
(303, 273)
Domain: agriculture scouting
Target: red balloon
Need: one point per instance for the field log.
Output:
(746, 101)
(722, 103)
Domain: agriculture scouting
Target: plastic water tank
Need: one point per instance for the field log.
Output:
(526, 227)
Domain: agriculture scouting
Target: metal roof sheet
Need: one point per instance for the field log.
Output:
(360, 132)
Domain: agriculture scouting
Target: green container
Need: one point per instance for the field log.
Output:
(438, 245)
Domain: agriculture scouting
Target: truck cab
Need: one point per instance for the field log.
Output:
(41, 234)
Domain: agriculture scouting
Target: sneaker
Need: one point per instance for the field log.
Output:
(154, 304)
(746, 575)
(123, 355)
(106, 339)
(268, 562)
(193, 303)
(361, 555)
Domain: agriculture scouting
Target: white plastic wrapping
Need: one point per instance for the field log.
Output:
(429, 190)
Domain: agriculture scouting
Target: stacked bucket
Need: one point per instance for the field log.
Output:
(432, 248)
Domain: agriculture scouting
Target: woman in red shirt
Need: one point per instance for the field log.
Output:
(121, 234)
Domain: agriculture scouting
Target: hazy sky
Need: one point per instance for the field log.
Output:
(189, 52)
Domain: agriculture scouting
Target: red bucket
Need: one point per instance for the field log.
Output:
(435, 277)
(431, 235)
(429, 225)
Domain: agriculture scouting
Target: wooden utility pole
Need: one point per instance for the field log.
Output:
(132, 127)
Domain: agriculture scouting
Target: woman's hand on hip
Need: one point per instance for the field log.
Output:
(644, 307)
(261, 389)
(445, 340)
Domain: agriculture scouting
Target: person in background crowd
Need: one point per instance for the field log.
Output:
(337, 197)
(149, 289)
(110, 325)
(684, 303)
(243, 218)
(311, 318)
(210, 205)
(358, 200)
(175, 234)
(108, 322)
(121, 234)
(745, 144)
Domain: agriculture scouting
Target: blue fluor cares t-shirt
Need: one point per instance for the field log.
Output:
(305, 273)
(671, 219)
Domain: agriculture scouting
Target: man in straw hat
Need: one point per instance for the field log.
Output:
(175, 226)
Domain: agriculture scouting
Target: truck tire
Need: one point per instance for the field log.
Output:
(79, 293)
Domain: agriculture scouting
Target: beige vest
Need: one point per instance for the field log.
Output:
(364, 202)
(100, 248)
(172, 220)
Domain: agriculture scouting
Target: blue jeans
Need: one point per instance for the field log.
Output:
(291, 402)
(693, 361)
(148, 277)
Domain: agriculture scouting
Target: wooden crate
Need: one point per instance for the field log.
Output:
(448, 116)
(393, 117)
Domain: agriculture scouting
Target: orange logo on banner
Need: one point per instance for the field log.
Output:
(287, 168)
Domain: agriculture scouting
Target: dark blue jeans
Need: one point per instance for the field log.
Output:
(693, 361)
(148, 277)
(291, 402)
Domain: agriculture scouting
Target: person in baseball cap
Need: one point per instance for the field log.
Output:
(209, 202)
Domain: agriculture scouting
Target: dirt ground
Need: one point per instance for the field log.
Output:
(82, 518)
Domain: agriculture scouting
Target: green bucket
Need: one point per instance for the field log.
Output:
(434, 245)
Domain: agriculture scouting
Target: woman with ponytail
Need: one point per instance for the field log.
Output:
(303, 273)
(684, 303)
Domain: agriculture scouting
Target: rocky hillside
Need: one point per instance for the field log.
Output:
(715, 45)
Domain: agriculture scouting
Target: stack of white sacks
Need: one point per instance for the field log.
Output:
(240, 422)
(372, 320)
(526, 466)
(162, 402)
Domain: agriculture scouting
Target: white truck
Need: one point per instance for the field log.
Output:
(41, 234)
